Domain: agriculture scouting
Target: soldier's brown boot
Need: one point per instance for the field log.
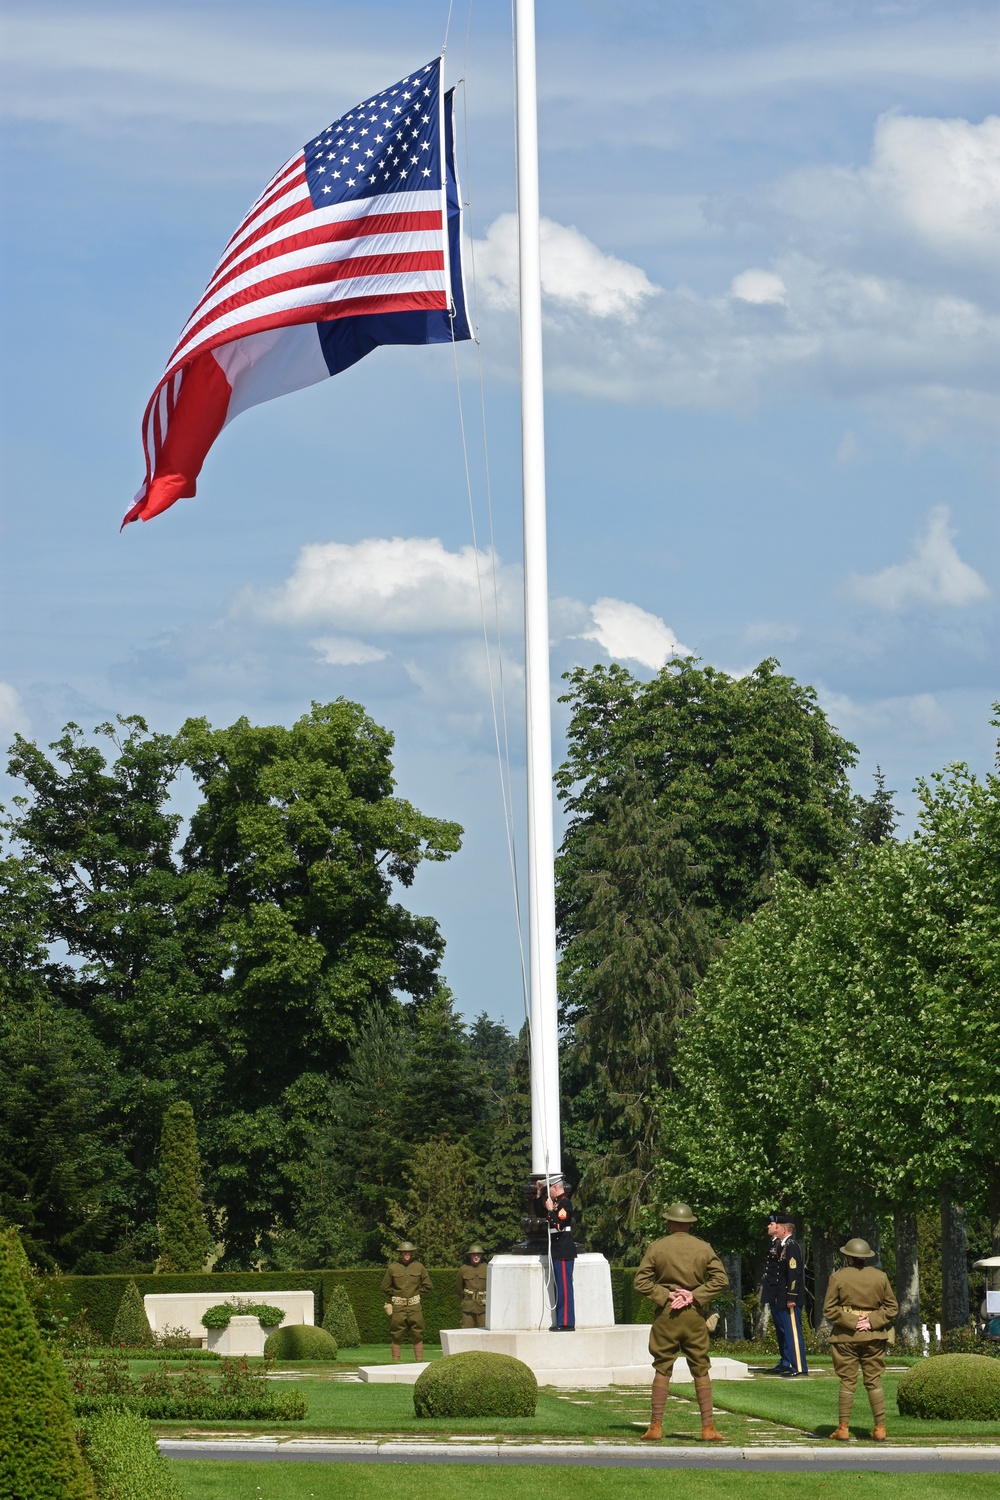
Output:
(842, 1433)
(703, 1390)
(654, 1432)
(879, 1432)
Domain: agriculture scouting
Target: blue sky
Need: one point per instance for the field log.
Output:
(770, 257)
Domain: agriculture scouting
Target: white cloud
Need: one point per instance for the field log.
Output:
(942, 178)
(917, 716)
(629, 633)
(345, 651)
(13, 717)
(758, 286)
(397, 585)
(932, 574)
(575, 272)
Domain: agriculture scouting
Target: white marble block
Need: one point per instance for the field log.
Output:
(520, 1293)
(242, 1336)
(184, 1309)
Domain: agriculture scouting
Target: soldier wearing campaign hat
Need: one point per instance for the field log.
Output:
(403, 1282)
(860, 1304)
(680, 1274)
(783, 1291)
(470, 1284)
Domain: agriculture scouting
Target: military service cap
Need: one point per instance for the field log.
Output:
(782, 1218)
(858, 1250)
(404, 1246)
(475, 1250)
(679, 1213)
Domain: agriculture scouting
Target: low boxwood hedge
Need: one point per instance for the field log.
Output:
(300, 1341)
(120, 1448)
(476, 1385)
(951, 1388)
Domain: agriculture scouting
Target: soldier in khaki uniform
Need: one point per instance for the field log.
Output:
(470, 1284)
(681, 1274)
(404, 1281)
(860, 1304)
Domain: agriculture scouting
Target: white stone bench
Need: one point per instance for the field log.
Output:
(183, 1310)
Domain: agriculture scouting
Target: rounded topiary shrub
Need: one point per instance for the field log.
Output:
(476, 1385)
(301, 1341)
(952, 1388)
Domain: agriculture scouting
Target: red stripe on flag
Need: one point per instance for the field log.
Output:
(246, 258)
(339, 270)
(330, 312)
(198, 418)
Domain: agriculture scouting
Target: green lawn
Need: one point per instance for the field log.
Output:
(297, 1481)
(812, 1405)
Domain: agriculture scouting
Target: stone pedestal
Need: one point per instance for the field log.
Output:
(598, 1353)
(520, 1293)
(241, 1336)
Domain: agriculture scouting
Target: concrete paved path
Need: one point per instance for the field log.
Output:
(945, 1460)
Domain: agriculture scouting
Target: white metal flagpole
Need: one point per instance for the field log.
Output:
(545, 1134)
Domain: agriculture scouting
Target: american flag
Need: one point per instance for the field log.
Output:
(355, 242)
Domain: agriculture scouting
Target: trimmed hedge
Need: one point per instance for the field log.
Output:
(339, 1320)
(99, 1296)
(121, 1450)
(300, 1341)
(223, 1313)
(40, 1458)
(476, 1385)
(951, 1388)
(131, 1326)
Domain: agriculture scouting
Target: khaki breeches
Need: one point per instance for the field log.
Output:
(406, 1321)
(675, 1333)
(866, 1358)
(474, 1319)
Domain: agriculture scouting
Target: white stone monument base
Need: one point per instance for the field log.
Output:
(242, 1336)
(184, 1309)
(392, 1374)
(519, 1293)
(614, 1355)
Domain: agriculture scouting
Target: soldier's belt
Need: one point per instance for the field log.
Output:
(405, 1301)
(478, 1296)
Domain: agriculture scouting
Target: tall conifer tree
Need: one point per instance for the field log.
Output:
(184, 1236)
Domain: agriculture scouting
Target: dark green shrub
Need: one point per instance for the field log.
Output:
(476, 1385)
(131, 1324)
(120, 1449)
(339, 1320)
(39, 1455)
(222, 1313)
(301, 1341)
(184, 1238)
(952, 1388)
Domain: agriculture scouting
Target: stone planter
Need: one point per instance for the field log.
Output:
(244, 1335)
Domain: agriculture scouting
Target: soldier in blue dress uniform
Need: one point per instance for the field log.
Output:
(553, 1205)
(783, 1292)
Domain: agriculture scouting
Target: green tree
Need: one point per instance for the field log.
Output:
(446, 1089)
(750, 767)
(876, 817)
(507, 1166)
(638, 945)
(180, 1216)
(131, 1325)
(39, 1455)
(339, 1319)
(438, 1208)
(237, 972)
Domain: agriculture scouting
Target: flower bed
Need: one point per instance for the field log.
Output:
(240, 1394)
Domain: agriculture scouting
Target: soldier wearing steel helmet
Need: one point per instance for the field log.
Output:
(470, 1284)
(404, 1282)
(860, 1304)
(680, 1274)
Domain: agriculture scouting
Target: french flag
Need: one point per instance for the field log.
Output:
(355, 242)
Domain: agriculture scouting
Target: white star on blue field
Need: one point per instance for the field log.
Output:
(769, 259)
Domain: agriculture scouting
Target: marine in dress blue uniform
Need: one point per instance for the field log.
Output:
(554, 1205)
(783, 1292)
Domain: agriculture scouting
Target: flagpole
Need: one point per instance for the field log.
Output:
(545, 1132)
